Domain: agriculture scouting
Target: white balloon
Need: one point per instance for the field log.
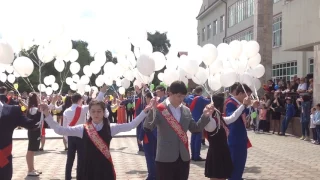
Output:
(137, 52)
(160, 76)
(95, 67)
(216, 67)
(3, 77)
(210, 54)
(122, 90)
(159, 60)
(109, 68)
(228, 78)
(242, 66)
(6, 53)
(172, 62)
(131, 59)
(24, 66)
(247, 79)
(254, 61)
(2, 68)
(74, 67)
(138, 36)
(73, 55)
(69, 80)
(85, 79)
(129, 75)
(73, 86)
(258, 71)
(87, 70)
(201, 76)
(99, 81)
(125, 83)
(45, 52)
(100, 58)
(214, 82)
(196, 53)
(11, 78)
(170, 76)
(87, 88)
(55, 86)
(49, 91)
(46, 80)
(59, 65)
(42, 88)
(223, 50)
(118, 82)
(75, 78)
(190, 66)
(236, 49)
(52, 79)
(146, 48)
(252, 48)
(145, 65)
(256, 83)
(62, 46)
(137, 83)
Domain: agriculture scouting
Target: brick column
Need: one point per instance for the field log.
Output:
(262, 30)
(316, 75)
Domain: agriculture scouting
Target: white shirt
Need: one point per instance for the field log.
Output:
(236, 114)
(69, 113)
(302, 86)
(77, 131)
(176, 112)
(1, 106)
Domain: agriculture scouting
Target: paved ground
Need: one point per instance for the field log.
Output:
(272, 157)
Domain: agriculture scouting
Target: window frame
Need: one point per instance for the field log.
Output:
(286, 70)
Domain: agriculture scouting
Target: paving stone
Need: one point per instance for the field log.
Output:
(271, 158)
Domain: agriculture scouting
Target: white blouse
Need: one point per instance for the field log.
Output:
(77, 131)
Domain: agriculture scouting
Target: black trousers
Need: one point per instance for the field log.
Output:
(6, 171)
(75, 144)
(114, 116)
(178, 170)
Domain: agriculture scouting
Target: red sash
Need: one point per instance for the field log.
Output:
(76, 116)
(229, 100)
(174, 124)
(99, 143)
(4, 154)
(9, 99)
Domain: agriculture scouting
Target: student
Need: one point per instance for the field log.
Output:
(262, 118)
(290, 112)
(313, 126)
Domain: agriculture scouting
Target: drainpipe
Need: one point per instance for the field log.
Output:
(225, 20)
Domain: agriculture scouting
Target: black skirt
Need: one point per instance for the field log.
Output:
(218, 161)
(34, 141)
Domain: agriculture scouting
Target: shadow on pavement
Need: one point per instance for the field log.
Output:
(32, 178)
(253, 170)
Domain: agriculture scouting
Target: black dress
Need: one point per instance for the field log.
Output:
(34, 134)
(218, 161)
(276, 115)
(95, 165)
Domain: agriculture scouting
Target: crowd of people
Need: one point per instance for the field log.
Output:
(161, 118)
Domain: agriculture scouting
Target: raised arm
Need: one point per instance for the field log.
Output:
(235, 115)
(204, 121)
(117, 128)
(22, 120)
(76, 131)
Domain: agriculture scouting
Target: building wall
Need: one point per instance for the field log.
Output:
(279, 55)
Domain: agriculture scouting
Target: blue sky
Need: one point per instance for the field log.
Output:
(105, 20)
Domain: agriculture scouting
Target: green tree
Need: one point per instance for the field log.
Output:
(160, 43)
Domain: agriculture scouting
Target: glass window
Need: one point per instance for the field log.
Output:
(215, 27)
(311, 65)
(203, 34)
(244, 35)
(209, 27)
(284, 70)
(239, 11)
(277, 31)
(222, 23)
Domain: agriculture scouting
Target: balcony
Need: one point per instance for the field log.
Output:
(301, 25)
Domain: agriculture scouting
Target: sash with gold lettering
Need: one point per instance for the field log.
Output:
(174, 124)
(99, 143)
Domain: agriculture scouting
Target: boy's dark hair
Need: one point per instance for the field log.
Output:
(313, 109)
(3, 89)
(76, 97)
(198, 90)
(243, 89)
(148, 95)
(234, 87)
(178, 87)
(318, 105)
(161, 88)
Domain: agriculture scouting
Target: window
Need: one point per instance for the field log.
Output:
(209, 27)
(244, 35)
(311, 65)
(222, 23)
(277, 31)
(203, 34)
(198, 38)
(215, 27)
(275, 1)
(284, 71)
(240, 11)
